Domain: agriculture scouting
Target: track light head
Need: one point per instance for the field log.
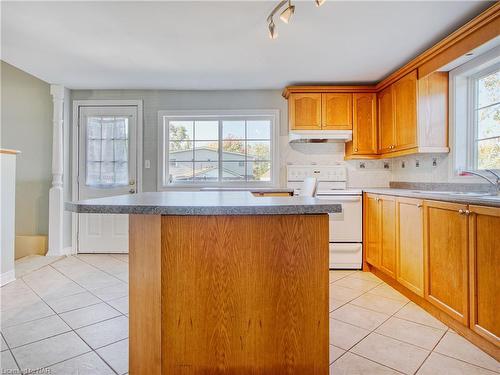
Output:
(319, 2)
(273, 34)
(287, 14)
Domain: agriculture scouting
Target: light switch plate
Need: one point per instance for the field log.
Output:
(147, 164)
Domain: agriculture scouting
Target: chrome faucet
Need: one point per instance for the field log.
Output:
(495, 182)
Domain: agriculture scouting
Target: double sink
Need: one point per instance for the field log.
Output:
(482, 195)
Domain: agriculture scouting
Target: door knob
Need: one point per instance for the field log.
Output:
(131, 191)
(131, 182)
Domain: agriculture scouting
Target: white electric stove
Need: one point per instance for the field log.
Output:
(346, 228)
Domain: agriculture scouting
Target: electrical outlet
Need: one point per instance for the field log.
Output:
(417, 163)
(403, 164)
(386, 165)
(434, 162)
(362, 165)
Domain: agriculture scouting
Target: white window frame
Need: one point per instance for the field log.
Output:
(462, 117)
(163, 143)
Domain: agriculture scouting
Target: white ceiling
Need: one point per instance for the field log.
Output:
(220, 45)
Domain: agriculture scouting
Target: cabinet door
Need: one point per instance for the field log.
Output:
(405, 111)
(388, 234)
(409, 244)
(484, 226)
(446, 257)
(372, 229)
(385, 120)
(336, 111)
(304, 111)
(365, 124)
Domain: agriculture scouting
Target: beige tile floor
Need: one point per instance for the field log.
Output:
(71, 316)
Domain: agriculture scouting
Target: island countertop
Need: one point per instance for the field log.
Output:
(203, 203)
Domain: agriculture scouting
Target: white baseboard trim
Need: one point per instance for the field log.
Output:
(7, 277)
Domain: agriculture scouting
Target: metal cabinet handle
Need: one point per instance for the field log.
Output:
(467, 212)
(355, 150)
(461, 212)
(419, 206)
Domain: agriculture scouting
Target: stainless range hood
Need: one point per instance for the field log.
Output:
(319, 136)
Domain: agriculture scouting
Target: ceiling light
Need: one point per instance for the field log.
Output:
(273, 34)
(287, 13)
(319, 2)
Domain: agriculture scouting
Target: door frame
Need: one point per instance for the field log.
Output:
(75, 150)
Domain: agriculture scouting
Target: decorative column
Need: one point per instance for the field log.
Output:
(56, 201)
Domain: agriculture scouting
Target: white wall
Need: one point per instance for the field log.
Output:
(156, 100)
(27, 126)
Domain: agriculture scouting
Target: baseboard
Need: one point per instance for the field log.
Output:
(7, 277)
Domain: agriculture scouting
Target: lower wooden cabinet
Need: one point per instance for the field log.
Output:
(387, 218)
(372, 229)
(380, 232)
(484, 260)
(409, 244)
(447, 253)
(446, 258)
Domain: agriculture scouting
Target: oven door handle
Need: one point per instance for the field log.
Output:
(339, 198)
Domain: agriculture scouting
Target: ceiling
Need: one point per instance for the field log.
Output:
(208, 45)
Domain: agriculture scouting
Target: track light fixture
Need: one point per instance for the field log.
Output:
(285, 15)
(288, 12)
(273, 34)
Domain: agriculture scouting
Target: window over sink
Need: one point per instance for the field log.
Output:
(218, 148)
(475, 114)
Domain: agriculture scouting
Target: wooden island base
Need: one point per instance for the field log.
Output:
(229, 294)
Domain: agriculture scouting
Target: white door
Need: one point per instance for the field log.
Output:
(107, 166)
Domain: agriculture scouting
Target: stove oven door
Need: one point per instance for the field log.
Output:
(346, 226)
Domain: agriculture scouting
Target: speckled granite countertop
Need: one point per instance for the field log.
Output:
(203, 203)
(482, 199)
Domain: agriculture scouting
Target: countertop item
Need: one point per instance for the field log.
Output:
(480, 198)
(203, 203)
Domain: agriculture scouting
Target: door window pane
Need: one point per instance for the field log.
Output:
(107, 151)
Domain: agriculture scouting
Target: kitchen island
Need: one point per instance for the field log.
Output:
(225, 282)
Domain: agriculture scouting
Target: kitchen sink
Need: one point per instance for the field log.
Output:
(463, 193)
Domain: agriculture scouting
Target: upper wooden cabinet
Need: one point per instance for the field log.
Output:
(336, 111)
(446, 258)
(484, 261)
(304, 111)
(320, 111)
(385, 120)
(413, 115)
(404, 98)
(364, 129)
(407, 117)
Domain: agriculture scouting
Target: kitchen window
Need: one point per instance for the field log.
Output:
(218, 148)
(485, 146)
(475, 115)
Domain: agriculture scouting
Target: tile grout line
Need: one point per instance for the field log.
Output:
(10, 351)
(71, 328)
(432, 351)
